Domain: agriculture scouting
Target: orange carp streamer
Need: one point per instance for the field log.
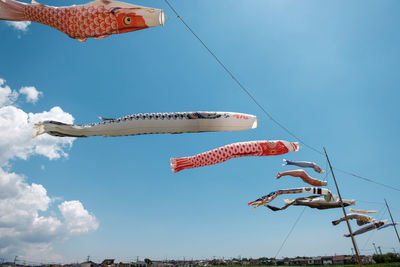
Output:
(97, 19)
(363, 211)
(304, 176)
(235, 150)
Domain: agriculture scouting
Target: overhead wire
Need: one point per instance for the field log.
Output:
(371, 202)
(367, 179)
(247, 92)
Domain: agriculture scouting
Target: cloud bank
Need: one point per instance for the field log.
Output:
(23, 230)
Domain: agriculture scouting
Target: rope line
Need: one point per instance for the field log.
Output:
(291, 230)
(247, 92)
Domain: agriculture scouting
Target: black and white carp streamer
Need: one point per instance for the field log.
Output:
(271, 196)
(314, 203)
(388, 224)
(152, 123)
(369, 227)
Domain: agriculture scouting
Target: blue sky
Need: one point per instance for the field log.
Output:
(327, 70)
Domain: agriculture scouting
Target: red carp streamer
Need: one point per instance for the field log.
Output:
(242, 149)
(98, 19)
(304, 176)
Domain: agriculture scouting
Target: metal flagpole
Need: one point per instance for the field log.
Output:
(394, 225)
(344, 212)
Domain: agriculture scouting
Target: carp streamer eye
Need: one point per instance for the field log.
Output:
(127, 20)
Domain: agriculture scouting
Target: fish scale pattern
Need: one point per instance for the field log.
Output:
(77, 22)
(164, 116)
(235, 150)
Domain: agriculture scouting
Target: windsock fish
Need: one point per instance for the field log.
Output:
(361, 219)
(304, 176)
(363, 211)
(98, 19)
(314, 203)
(369, 227)
(152, 123)
(388, 224)
(235, 150)
(304, 164)
(271, 196)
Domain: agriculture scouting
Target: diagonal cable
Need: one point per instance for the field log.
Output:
(236, 80)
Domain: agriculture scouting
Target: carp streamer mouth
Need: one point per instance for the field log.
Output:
(162, 18)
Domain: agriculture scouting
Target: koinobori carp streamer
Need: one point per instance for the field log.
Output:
(271, 196)
(363, 211)
(388, 224)
(304, 176)
(360, 219)
(304, 164)
(235, 150)
(314, 203)
(98, 19)
(369, 227)
(153, 123)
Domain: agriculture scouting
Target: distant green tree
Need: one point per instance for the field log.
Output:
(148, 261)
(386, 258)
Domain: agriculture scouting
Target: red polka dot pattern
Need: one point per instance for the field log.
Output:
(221, 154)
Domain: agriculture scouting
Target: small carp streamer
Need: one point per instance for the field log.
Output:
(361, 219)
(235, 150)
(369, 227)
(304, 164)
(152, 123)
(388, 224)
(98, 19)
(363, 211)
(314, 203)
(304, 176)
(271, 196)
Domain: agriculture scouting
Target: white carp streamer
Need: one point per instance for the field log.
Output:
(152, 123)
(361, 219)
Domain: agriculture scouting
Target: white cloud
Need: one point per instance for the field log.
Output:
(16, 127)
(19, 25)
(7, 96)
(31, 94)
(77, 219)
(23, 230)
